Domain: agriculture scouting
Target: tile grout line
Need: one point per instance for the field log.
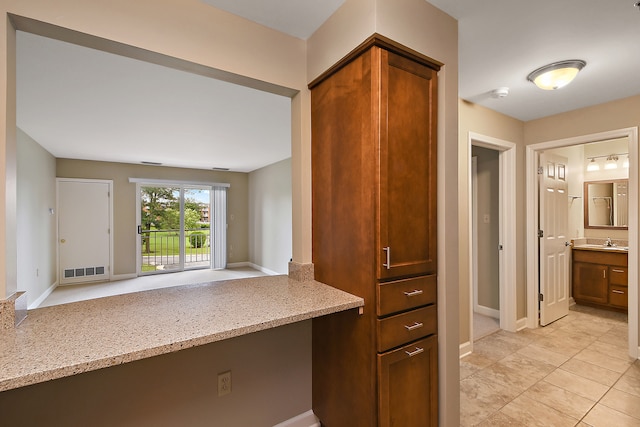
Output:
(611, 322)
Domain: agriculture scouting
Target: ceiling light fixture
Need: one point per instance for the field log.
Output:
(556, 75)
(593, 166)
(625, 163)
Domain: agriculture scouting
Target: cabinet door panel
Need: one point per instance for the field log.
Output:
(408, 379)
(590, 282)
(407, 178)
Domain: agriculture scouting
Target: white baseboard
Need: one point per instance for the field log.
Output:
(308, 419)
(254, 266)
(238, 264)
(264, 270)
(116, 277)
(466, 349)
(521, 324)
(487, 311)
(42, 297)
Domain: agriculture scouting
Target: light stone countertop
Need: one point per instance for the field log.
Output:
(64, 340)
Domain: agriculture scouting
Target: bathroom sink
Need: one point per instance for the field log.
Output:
(603, 247)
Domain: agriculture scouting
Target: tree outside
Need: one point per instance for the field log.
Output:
(160, 217)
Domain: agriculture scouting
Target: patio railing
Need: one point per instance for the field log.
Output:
(161, 249)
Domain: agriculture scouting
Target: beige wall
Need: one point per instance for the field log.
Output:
(124, 203)
(270, 217)
(36, 225)
(270, 383)
(618, 114)
(483, 121)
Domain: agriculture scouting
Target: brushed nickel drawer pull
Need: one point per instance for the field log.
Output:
(416, 325)
(615, 291)
(414, 293)
(388, 251)
(418, 350)
(615, 270)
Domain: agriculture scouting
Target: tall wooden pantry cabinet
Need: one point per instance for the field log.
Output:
(374, 119)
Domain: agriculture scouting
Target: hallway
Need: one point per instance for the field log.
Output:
(574, 372)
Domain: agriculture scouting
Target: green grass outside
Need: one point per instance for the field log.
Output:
(168, 243)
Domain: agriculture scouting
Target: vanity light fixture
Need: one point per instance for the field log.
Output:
(611, 162)
(593, 166)
(556, 75)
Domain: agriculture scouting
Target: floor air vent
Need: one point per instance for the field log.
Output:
(81, 272)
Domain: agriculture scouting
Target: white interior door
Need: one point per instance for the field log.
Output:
(84, 244)
(554, 243)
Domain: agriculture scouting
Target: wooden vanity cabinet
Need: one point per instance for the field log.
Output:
(374, 118)
(600, 278)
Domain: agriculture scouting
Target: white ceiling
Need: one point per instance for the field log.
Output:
(81, 103)
(502, 41)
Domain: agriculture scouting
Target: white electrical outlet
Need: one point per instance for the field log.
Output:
(224, 383)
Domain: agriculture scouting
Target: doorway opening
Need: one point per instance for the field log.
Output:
(505, 245)
(533, 207)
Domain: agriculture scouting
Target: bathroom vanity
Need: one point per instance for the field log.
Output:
(600, 276)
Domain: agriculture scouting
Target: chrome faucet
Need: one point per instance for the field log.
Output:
(609, 242)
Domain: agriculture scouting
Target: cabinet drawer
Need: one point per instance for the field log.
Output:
(403, 328)
(618, 276)
(618, 296)
(402, 295)
(600, 257)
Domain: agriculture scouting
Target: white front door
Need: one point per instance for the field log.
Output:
(554, 243)
(84, 243)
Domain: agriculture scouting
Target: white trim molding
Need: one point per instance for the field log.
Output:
(532, 233)
(307, 419)
(507, 161)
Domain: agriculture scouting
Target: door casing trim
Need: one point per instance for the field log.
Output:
(532, 239)
(507, 238)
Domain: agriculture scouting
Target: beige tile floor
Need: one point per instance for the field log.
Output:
(574, 372)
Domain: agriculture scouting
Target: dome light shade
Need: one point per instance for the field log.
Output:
(556, 75)
(593, 166)
(611, 162)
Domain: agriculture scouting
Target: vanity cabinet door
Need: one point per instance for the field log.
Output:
(590, 282)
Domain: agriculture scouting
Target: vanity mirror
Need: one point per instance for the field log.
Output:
(606, 204)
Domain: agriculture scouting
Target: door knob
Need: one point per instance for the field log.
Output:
(62, 240)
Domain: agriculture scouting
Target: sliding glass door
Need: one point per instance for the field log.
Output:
(175, 227)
